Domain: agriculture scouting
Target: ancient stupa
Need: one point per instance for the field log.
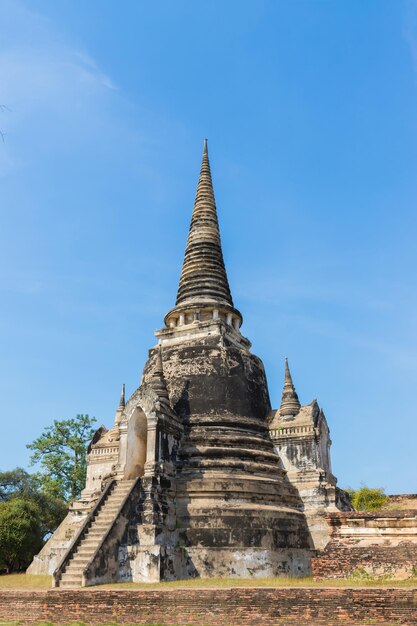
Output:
(198, 475)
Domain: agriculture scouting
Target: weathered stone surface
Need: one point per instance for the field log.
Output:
(51, 554)
(203, 276)
(302, 439)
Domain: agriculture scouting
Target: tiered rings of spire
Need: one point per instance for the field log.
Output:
(290, 404)
(203, 291)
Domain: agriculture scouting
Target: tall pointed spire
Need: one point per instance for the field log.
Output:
(122, 402)
(203, 277)
(290, 404)
(121, 407)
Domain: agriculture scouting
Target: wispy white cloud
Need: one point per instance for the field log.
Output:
(55, 90)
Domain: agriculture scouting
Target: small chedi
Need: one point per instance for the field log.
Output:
(198, 476)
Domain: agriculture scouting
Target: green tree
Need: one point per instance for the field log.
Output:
(61, 451)
(368, 499)
(19, 484)
(20, 533)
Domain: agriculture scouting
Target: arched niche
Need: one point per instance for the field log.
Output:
(137, 431)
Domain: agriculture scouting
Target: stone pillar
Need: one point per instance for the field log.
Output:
(152, 446)
(236, 323)
(229, 319)
(181, 322)
(122, 448)
(216, 314)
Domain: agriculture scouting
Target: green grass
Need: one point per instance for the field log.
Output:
(27, 582)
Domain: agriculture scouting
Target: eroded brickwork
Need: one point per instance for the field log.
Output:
(214, 607)
(380, 544)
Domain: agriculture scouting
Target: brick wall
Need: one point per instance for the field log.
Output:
(342, 561)
(381, 544)
(214, 607)
(402, 497)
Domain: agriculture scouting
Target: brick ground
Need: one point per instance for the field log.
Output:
(214, 607)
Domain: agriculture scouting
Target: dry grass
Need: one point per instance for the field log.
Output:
(221, 583)
(27, 582)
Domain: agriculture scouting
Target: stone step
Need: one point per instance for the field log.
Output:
(85, 554)
(91, 538)
(109, 507)
(89, 548)
(115, 495)
(72, 575)
(72, 578)
(76, 572)
(78, 559)
(86, 551)
(70, 584)
(104, 516)
(91, 541)
(99, 524)
(106, 511)
(88, 541)
(93, 534)
(97, 531)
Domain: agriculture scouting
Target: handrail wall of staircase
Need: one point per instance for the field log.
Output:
(107, 533)
(56, 576)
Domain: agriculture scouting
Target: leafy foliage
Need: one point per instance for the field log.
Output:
(33, 505)
(20, 533)
(19, 484)
(61, 451)
(368, 499)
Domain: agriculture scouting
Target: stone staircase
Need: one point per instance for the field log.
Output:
(83, 551)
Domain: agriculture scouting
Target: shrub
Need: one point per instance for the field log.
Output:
(368, 499)
(20, 533)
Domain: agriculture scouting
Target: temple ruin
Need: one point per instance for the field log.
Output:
(199, 476)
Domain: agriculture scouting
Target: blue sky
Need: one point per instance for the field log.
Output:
(310, 108)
